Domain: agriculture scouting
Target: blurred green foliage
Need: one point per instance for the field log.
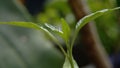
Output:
(54, 10)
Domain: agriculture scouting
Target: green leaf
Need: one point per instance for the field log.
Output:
(35, 26)
(64, 33)
(31, 25)
(68, 65)
(82, 22)
(91, 17)
(66, 30)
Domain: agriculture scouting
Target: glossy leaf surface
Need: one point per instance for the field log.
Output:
(89, 18)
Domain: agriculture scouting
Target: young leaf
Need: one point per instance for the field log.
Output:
(88, 18)
(68, 65)
(92, 16)
(65, 33)
(66, 30)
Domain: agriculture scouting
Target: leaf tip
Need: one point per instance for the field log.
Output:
(116, 8)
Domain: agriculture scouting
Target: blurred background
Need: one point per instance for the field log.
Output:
(29, 48)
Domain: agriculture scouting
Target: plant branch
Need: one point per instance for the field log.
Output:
(89, 37)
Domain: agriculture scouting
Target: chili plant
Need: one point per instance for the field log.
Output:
(64, 33)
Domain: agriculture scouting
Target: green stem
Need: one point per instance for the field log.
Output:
(73, 40)
(70, 58)
(71, 61)
(60, 46)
